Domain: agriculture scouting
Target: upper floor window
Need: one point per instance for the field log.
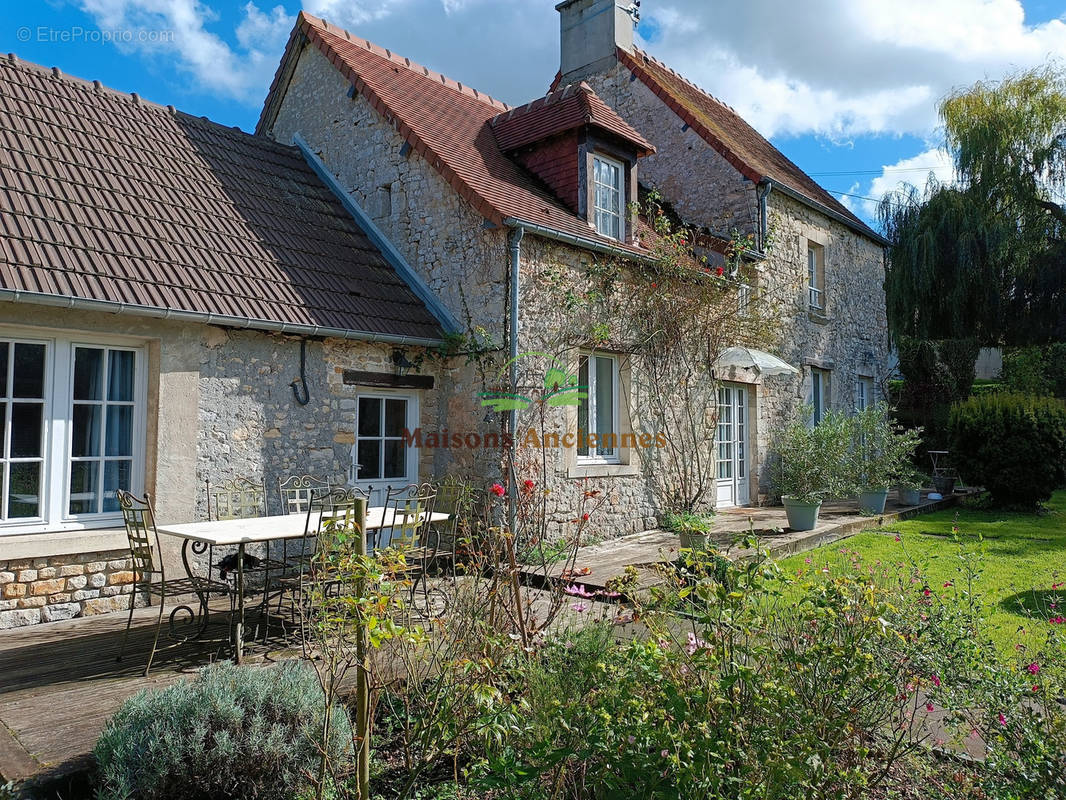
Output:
(597, 416)
(608, 193)
(816, 276)
(72, 416)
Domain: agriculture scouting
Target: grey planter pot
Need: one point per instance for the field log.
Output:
(694, 541)
(872, 501)
(801, 516)
(910, 497)
(945, 484)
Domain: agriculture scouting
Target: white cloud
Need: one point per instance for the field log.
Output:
(842, 68)
(241, 74)
(912, 171)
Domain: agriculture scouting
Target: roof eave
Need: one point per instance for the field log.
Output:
(208, 318)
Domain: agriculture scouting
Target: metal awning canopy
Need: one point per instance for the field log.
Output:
(762, 363)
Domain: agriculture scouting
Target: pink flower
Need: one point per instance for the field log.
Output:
(926, 592)
(936, 680)
(498, 490)
(1002, 719)
(665, 753)
(928, 706)
(694, 643)
(1036, 688)
(899, 538)
(577, 591)
(1033, 668)
(580, 608)
(948, 584)
(1057, 586)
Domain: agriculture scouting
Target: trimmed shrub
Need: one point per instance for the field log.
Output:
(233, 732)
(1013, 445)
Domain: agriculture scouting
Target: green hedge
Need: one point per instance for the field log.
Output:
(1013, 445)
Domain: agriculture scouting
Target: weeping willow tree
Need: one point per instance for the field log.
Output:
(984, 259)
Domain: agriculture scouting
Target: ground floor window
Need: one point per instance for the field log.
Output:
(597, 415)
(381, 450)
(73, 418)
(864, 393)
(819, 397)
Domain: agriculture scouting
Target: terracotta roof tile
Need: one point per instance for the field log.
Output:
(562, 110)
(722, 128)
(446, 123)
(107, 197)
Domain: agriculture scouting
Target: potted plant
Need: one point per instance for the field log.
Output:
(809, 464)
(881, 454)
(693, 529)
(910, 488)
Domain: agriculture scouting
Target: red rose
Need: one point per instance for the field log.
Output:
(529, 485)
(498, 490)
(721, 271)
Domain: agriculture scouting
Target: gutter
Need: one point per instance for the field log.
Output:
(762, 192)
(514, 241)
(577, 241)
(206, 318)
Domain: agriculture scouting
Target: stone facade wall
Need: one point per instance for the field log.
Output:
(439, 234)
(61, 587)
(849, 337)
(700, 184)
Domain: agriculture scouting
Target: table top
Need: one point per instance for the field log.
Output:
(265, 529)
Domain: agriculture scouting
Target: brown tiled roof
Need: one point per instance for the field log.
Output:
(572, 106)
(106, 197)
(445, 122)
(724, 130)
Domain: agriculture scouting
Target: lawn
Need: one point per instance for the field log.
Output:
(1020, 563)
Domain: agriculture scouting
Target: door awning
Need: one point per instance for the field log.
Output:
(762, 363)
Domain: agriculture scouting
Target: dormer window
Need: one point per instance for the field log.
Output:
(609, 189)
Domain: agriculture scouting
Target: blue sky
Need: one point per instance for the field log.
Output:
(846, 88)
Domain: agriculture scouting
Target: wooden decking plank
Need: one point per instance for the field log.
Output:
(16, 763)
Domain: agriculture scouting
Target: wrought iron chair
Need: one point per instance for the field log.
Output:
(142, 535)
(295, 492)
(407, 527)
(336, 509)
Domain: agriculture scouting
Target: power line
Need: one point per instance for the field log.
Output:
(877, 171)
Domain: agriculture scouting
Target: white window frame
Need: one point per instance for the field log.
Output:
(58, 430)
(411, 463)
(619, 188)
(820, 388)
(592, 457)
(816, 276)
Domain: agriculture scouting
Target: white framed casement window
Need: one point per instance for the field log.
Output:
(816, 276)
(74, 415)
(864, 393)
(598, 427)
(819, 397)
(382, 454)
(608, 182)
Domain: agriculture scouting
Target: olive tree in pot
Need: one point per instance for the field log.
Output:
(809, 464)
(881, 455)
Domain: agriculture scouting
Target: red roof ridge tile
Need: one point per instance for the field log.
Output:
(395, 58)
(678, 75)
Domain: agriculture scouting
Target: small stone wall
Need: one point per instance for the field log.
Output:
(62, 587)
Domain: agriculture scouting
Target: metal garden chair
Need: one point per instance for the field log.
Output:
(408, 528)
(139, 517)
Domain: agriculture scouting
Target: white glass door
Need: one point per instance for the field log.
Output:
(733, 487)
(382, 456)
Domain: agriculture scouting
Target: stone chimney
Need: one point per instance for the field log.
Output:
(590, 33)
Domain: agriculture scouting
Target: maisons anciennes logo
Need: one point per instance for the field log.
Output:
(559, 387)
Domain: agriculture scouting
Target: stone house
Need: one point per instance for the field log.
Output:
(164, 281)
(382, 221)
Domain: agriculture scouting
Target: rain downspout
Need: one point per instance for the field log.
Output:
(762, 192)
(515, 242)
